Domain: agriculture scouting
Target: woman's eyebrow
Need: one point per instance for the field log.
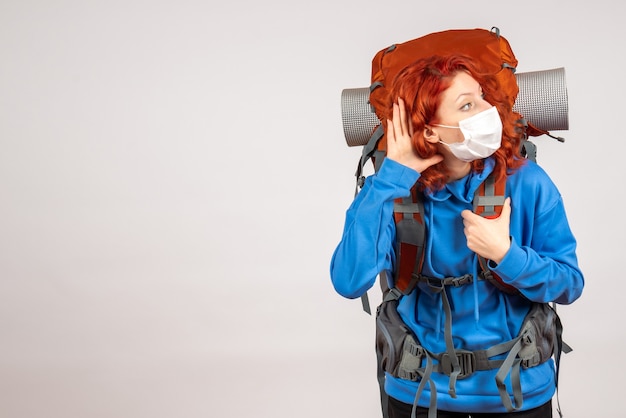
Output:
(461, 96)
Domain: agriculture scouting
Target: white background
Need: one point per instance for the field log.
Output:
(173, 181)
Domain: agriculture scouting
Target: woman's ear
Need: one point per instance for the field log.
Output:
(430, 135)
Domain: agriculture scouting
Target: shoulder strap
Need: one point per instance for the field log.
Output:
(488, 202)
(410, 235)
(489, 198)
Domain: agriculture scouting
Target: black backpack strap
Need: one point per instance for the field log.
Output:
(388, 295)
(369, 151)
(529, 150)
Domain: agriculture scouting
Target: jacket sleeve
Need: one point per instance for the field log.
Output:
(542, 261)
(366, 247)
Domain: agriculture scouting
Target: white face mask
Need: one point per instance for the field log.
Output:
(482, 133)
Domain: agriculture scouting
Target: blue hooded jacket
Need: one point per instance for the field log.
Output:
(541, 263)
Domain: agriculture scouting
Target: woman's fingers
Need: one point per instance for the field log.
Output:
(399, 121)
(402, 118)
(399, 141)
(391, 135)
(396, 122)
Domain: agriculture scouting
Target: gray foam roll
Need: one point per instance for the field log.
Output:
(359, 119)
(542, 100)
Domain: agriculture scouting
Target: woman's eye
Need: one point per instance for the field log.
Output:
(466, 106)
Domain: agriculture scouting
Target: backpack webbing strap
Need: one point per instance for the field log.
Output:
(370, 150)
(494, 279)
(488, 202)
(470, 361)
(425, 378)
(410, 235)
(511, 365)
(513, 361)
(380, 376)
(410, 230)
(365, 302)
(529, 150)
(447, 334)
(560, 347)
(459, 364)
(489, 198)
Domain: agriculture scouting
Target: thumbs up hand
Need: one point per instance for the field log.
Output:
(488, 238)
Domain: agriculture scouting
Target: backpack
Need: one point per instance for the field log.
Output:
(538, 97)
(540, 100)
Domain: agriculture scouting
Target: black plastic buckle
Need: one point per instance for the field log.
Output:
(459, 281)
(439, 284)
(467, 362)
(533, 361)
(392, 294)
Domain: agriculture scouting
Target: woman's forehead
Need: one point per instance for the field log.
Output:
(462, 84)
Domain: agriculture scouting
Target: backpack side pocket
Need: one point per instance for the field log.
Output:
(538, 335)
(397, 349)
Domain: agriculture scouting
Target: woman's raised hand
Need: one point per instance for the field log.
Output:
(399, 144)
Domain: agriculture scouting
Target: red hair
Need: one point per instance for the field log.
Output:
(420, 86)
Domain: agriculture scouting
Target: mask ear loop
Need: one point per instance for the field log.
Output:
(446, 126)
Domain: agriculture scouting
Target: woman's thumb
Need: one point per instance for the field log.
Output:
(506, 209)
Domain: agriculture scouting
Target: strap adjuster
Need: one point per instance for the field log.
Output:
(437, 285)
(533, 361)
(392, 294)
(466, 359)
(458, 281)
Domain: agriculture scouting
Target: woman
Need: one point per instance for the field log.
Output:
(451, 128)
